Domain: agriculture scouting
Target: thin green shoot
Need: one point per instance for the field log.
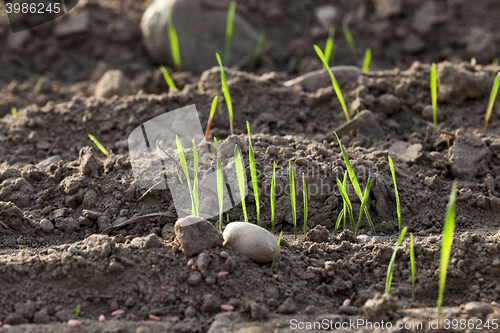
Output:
(330, 46)
(390, 269)
(227, 95)
(398, 206)
(344, 183)
(304, 192)
(253, 173)
(195, 182)
(493, 96)
(174, 42)
(292, 197)
(367, 60)
(343, 212)
(355, 183)
(434, 93)
(220, 185)
(273, 196)
(446, 242)
(363, 203)
(212, 112)
(77, 311)
(334, 81)
(13, 110)
(229, 32)
(258, 49)
(167, 77)
(99, 145)
(240, 173)
(346, 199)
(412, 261)
(350, 41)
(182, 158)
(277, 249)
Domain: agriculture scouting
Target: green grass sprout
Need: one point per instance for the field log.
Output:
(212, 112)
(344, 183)
(304, 192)
(391, 263)
(13, 110)
(229, 32)
(330, 47)
(227, 95)
(258, 49)
(292, 197)
(412, 261)
(350, 41)
(273, 196)
(167, 77)
(339, 219)
(240, 173)
(277, 249)
(174, 42)
(355, 183)
(220, 185)
(398, 206)
(98, 144)
(343, 212)
(334, 82)
(495, 62)
(195, 181)
(77, 311)
(182, 158)
(253, 173)
(434, 93)
(493, 96)
(363, 203)
(347, 201)
(367, 60)
(446, 241)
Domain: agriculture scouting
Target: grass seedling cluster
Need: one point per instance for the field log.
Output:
(227, 95)
(434, 94)
(99, 145)
(493, 96)
(229, 32)
(174, 42)
(182, 158)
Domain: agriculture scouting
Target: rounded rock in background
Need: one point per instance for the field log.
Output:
(251, 240)
(389, 104)
(201, 31)
(46, 226)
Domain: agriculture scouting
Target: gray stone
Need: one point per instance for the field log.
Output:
(478, 309)
(389, 104)
(312, 81)
(153, 241)
(203, 261)
(480, 44)
(251, 240)
(73, 25)
(46, 226)
(363, 239)
(195, 234)
(406, 151)
(194, 278)
(318, 234)
(201, 27)
(89, 214)
(42, 165)
(425, 18)
(365, 123)
(114, 82)
(211, 304)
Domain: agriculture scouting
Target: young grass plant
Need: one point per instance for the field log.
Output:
(182, 158)
(493, 96)
(273, 197)
(292, 197)
(220, 185)
(446, 242)
(334, 82)
(277, 249)
(212, 112)
(391, 263)
(367, 60)
(343, 212)
(412, 262)
(174, 42)
(99, 145)
(363, 203)
(330, 47)
(195, 181)
(227, 95)
(77, 311)
(13, 110)
(240, 173)
(434, 94)
(167, 77)
(258, 49)
(347, 204)
(350, 41)
(304, 192)
(229, 32)
(253, 173)
(398, 207)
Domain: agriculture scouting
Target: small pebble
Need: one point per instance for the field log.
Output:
(227, 307)
(203, 261)
(117, 312)
(223, 273)
(347, 302)
(224, 255)
(193, 267)
(73, 249)
(102, 318)
(73, 323)
(275, 276)
(154, 318)
(50, 251)
(190, 262)
(129, 237)
(493, 303)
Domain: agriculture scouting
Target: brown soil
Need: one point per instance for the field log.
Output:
(44, 275)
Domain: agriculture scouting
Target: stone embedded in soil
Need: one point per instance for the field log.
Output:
(478, 309)
(389, 104)
(89, 164)
(251, 240)
(195, 234)
(347, 235)
(211, 303)
(434, 182)
(203, 261)
(313, 81)
(318, 234)
(365, 123)
(46, 226)
(201, 24)
(288, 307)
(194, 278)
(114, 82)
(406, 151)
(153, 241)
(363, 239)
(466, 156)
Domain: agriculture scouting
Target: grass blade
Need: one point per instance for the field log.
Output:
(240, 173)
(273, 196)
(174, 42)
(434, 93)
(446, 241)
(330, 47)
(493, 96)
(253, 173)
(350, 41)
(412, 261)
(167, 77)
(334, 81)
(277, 249)
(77, 311)
(99, 145)
(292, 196)
(391, 263)
(398, 206)
(13, 110)
(258, 48)
(363, 204)
(344, 183)
(212, 112)
(195, 183)
(182, 158)
(343, 192)
(220, 185)
(304, 191)
(229, 32)
(227, 95)
(339, 219)
(368, 58)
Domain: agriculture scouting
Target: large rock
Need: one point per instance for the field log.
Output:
(321, 78)
(196, 234)
(114, 82)
(251, 240)
(201, 30)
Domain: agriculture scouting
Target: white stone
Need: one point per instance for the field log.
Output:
(251, 240)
